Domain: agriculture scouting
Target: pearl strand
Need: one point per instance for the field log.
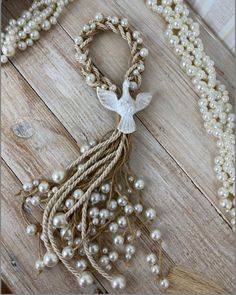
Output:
(183, 36)
(21, 33)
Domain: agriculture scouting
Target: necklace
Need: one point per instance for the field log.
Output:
(183, 36)
(23, 32)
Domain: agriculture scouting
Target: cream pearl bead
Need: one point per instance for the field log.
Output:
(151, 259)
(67, 253)
(39, 265)
(104, 260)
(138, 208)
(112, 205)
(91, 78)
(59, 175)
(130, 249)
(50, 259)
(105, 188)
(46, 25)
(86, 279)
(66, 233)
(118, 282)
(4, 59)
(31, 230)
(28, 186)
(34, 35)
(99, 17)
(94, 248)
(69, 203)
(113, 227)
(144, 52)
(35, 201)
(8, 50)
(113, 256)
(43, 187)
(128, 209)
(150, 214)
(59, 220)
(155, 269)
(122, 221)
(118, 240)
(77, 194)
(124, 22)
(104, 214)
(81, 264)
(84, 148)
(139, 184)
(156, 235)
(164, 284)
(78, 40)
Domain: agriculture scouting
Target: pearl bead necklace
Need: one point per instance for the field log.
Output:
(183, 36)
(21, 33)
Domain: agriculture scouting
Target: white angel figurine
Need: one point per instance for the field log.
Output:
(126, 106)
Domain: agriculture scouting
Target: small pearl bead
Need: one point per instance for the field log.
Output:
(118, 282)
(139, 184)
(69, 203)
(86, 279)
(27, 187)
(122, 222)
(164, 283)
(91, 78)
(150, 214)
(4, 59)
(106, 188)
(86, 28)
(124, 22)
(29, 42)
(155, 269)
(35, 201)
(99, 17)
(82, 58)
(104, 214)
(67, 253)
(78, 40)
(31, 230)
(136, 34)
(118, 240)
(138, 208)
(66, 233)
(84, 148)
(59, 175)
(50, 259)
(114, 20)
(151, 259)
(94, 248)
(46, 25)
(156, 235)
(77, 194)
(59, 220)
(39, 265)
(122, 201)
(34, 35)
(43, 187)
(129, 209)
(113, 227)
(104, 260)
(130, 249)
(112, 205)
(81, 264)
(144, 52)
(113, 256)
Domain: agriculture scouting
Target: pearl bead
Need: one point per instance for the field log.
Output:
(59, 220)
(86, 279)
(4, 59)
(67, 253)
(31, 230)
(35, 201)
(115, 20)
(8, 50)
(34, 35)
(118, 240)
(151, 259)
(84, 148)
(105, 188)
(139, 184)
(69, 203)
(27, 187)
(66, 233)
(113, 256)
(94, 212)
(122, 222)
(99, 17)
(150, 214)
(91, 78)
(124, 22)
(50, 259)
(144, 52)
(78, 40)
(138, 208)
(164, 284)
(104, 214)
(151, 3)
(130, 249)
(77, 241)
(118, 282)
(155, 269)
(77, 194)
(81, 264)
(82, 58)
(46, 25)
(138, 234)
(156, 235)
(95, 198)
(104, 260)
(122, 201)
(43, 187)
(94, 248)
(112, 205)
(59, 175)
(86, 28)
(113, 227)
(39, 265)
(29, 42)
(129, 209)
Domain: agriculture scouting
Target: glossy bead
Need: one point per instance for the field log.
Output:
(118, 282)
(90, 79)
(139, 184)
(151, 259)
(156, 235)
(113, 227)
(84, 148)
(130, 249)
(122, 221)
(77, 194)
(155, 269)
(124, 22)
(113, 256)
(112, 205)
(28, 186)
(150, 214)
(122, 201)
(99, 17)
(43, 187)
(104, 214)
(104, 260)
(105, 188)
(67, 253)
(34, 35)
(118, 240)
(59, 220)
(31, 230)
(86, 279)
(94, 248)
(128, 209)
(8, 50)
(81, 264)
(35, 201)
(144, 52)
(39, 265)
(138, 208)
(164, 284)
(50, 259)
(78, 40)
(69, 203)
(66, 233)
(46, 25)
(94, 212)
(59, 175)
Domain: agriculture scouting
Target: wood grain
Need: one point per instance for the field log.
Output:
(48, 109)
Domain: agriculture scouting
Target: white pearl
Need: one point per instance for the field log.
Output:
(118, 240)
(77, 194)
(69, 203)
(138, 208)
(156, 235)
(34, 35)
(164, 283)
(50, 259)
(112, 205)
(39, 265)
(151, 259)
(4, 59)
(82, 58)
(66, 233)
(91, 78)
(115, 20)
(150, 214)
(124, 22)
(46, 25)
(8, 50)
(122, 201)
(139, 184)
(29, 42)
(86, 28)
(113, 227)
(113, 256)
(81, 264)
(104, 214)
(31, 230)
(144, 52)
(155, 269)
(122, 221)
(35, 200)
(105, 188)
(94, 212)
(118, 282)
(28, 186)
(67, 253)
(59, 175)
(95, 198)
(129, 209)
(59, 220)
(84, 148)
(77, 241)
(104, 260)
(43, 187)
(130, 249)
(94, 248)
(86, 279)
(99, 17)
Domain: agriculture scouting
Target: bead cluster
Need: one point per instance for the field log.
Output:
(183, 35)
(119, 26)
(24, 31)
(112, 233)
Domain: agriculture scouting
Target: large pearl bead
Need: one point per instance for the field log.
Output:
(106, 188)
(77, 194)
(113, 227)
(59, 220)
(164, 283)
(94, 248)
(8, 50)
(81, 264)
(27, 187)
(43, 187)
(50, 259)
(139, 184)
(118, 240)
(58, 176)
(31, 229)
(67, 253)
(156, 235)
(86, 279)
(118, 282)
(138, 208)
(113, 256)
(150, 214)
(122, 221)
(39, 265)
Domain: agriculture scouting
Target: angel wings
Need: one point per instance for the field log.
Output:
(126, 106)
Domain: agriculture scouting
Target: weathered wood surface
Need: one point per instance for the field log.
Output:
(48, 108)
